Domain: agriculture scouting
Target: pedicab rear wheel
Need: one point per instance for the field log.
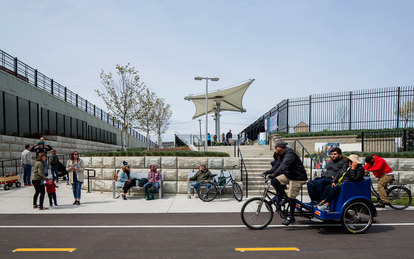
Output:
(357, 217)
(256, 214)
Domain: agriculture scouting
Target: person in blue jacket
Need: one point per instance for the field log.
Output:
(125, 180)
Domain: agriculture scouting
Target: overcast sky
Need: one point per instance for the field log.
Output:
(291, 48)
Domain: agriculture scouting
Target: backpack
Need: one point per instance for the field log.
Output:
(149, 195)
(116, 175)
(221, 179)
(142, 182)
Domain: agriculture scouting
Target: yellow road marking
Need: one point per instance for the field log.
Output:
(266, 249)
(44, 250)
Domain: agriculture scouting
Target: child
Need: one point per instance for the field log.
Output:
(51, 191)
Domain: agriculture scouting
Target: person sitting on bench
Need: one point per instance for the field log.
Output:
(202, 175)
(125, 180)
(354, 173)
(154, 178)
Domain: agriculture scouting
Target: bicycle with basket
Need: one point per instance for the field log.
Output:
(208, 190)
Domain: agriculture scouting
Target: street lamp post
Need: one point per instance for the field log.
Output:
(212, 79)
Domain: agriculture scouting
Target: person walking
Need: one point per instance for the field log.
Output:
(208, 139)
(75, 168)
(379, 167)
(26, 158)
(37, 180)
(229, 137)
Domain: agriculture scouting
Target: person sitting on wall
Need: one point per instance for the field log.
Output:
(125, 181)
(154, 178)
(202, 175)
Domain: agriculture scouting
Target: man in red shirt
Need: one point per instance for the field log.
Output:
(379, 167)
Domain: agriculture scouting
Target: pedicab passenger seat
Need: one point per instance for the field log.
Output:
(349, 191)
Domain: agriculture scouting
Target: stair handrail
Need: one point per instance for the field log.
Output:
(239, 153)
(312, 161)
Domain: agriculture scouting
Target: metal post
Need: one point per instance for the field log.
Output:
(398, 106)
(15, 66)
(205, 143)
(77, 105)
(86, 105)
(362, 141)
(35, 77)
(350, 110)
(66, 94)
(51, 86)
(199, 122)
(310, 112)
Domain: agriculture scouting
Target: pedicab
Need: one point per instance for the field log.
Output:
(353, 208)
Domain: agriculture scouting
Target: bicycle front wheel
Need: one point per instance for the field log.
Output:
(237, 192)
(399, 197)
(207, 192)
(256, 214)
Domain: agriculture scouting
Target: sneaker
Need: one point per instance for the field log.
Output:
(288, 221)
(78, 203)
(34, 206)
(124, 197)
(75, 202)
(56, 205)
(323, 207)
(43, 208)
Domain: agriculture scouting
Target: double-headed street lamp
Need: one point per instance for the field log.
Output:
(212, 79)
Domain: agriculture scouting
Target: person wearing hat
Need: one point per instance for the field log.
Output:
(289, 172)
(154, 178)
(125, 181)
(336, 166)
(354, 173)
(379, 167)
(40, 147)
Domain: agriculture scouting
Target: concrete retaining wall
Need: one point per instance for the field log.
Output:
(175, 169)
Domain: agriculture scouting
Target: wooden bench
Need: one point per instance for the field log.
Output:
(138, 175)
(190, 184)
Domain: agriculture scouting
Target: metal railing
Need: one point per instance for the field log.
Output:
(90, 176)
(243, 165)
(32, 76)
(387, 141)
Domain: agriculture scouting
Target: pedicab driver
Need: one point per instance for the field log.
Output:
(290, 172)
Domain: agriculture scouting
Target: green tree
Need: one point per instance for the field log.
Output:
(162, 115)
(145, 115)
(406, 112)
(120, 94)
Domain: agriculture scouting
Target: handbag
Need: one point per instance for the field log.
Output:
(221, 179)
(149, 195)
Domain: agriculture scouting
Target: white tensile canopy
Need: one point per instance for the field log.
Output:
(229, 99)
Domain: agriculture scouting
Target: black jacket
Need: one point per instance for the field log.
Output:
(291, 166)
(275, 165)
(38, 150)
(352, 175)
(335, 167)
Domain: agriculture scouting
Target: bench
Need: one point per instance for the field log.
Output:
(190, 184)
(138, 175)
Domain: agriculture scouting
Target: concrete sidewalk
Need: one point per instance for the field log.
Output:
(19, 201)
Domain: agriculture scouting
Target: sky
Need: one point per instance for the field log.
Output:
(291, 48)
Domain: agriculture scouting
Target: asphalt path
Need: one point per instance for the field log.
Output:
(199, 235)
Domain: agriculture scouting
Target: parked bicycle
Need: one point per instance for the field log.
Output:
(209, 190)
(399, 196)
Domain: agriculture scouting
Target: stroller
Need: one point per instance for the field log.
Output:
(62, 171)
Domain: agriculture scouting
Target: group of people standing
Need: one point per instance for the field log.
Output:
(40, 180)
(227, 139)
(288, 175)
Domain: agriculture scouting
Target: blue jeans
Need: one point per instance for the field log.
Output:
(197, 185)
(77, 187)
(148, 185)
(54, 169)
(316, 188)
(27, 173)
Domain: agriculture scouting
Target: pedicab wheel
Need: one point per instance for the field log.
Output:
(207, 191)
(18, 184)
(237, 192)
(357, 217)
(400, 197)
(256, 214)
(6, 187)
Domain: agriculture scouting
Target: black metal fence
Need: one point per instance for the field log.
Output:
(388, 141)
(32, 76)
(385, 108)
